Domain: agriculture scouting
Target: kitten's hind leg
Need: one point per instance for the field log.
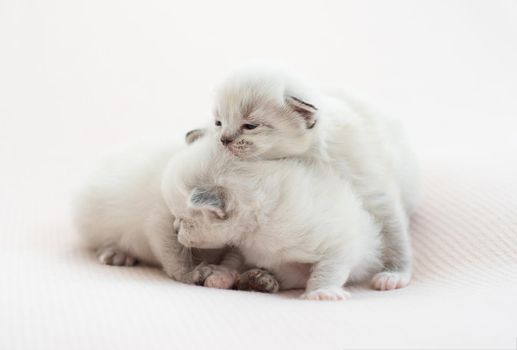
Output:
(396, 252)
(387, 280)
(327, 279)
(111, 255)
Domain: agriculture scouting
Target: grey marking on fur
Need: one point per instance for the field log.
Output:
(303, 102)
(312, 125)
(194, 135)
(258, 280)
(203, 196)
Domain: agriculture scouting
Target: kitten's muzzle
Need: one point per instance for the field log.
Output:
(187, 242)
(199, 244)
(190, 242)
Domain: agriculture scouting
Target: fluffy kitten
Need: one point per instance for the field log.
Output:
(267, 114)
(301, 222)
(121, 213)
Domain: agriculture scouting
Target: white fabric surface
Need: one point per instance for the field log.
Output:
(77, 78)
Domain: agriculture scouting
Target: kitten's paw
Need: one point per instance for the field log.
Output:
(114, 256)
(200, 273)
(258, 280)
(222, 279)
(390, 280)
(327, 294)
(214, 276)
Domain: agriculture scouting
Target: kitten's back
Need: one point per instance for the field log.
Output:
(114, 204)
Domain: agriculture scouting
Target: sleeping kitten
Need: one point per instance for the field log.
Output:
(267, 114)
(301, 222)
(122, 215)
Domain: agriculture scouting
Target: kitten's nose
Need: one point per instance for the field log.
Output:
(226, 140)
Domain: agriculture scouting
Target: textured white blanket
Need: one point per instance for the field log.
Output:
(53, 294)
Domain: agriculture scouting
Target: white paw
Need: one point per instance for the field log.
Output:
(327, 294)
(114, 256)
(214, 276)
(390, 280)
(222, 279)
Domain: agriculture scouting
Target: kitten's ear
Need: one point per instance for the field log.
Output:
(193, 135)
(305, 109)
(212, 199)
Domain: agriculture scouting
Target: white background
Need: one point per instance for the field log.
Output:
(116, 70)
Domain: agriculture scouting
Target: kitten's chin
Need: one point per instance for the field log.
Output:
(199, 245)
(242, 154)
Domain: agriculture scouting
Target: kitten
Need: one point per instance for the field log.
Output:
(268, 114)
(121, 214)
(301, 222)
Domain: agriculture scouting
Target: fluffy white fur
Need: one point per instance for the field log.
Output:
(307, 163)
(302, 222)
(121, 213)
(264, 113)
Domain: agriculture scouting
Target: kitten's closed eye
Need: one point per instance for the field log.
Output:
(249, 126)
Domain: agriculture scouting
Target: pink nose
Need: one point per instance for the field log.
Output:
(226, 140)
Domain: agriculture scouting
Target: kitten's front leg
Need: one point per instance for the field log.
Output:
(327, 279)
(176, 260)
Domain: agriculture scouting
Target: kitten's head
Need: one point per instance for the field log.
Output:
(264, 114)
(209, 221)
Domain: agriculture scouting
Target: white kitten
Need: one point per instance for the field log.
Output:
(303, 223)
(267, 114)
(121, 213)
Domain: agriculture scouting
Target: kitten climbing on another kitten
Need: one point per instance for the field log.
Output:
(263, 113)
(301, 222)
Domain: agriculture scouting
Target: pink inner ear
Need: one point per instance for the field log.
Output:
(306, 110)
(306, 114)
(215, 210)
(303, 103)
(207, 207)
(221, 214)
